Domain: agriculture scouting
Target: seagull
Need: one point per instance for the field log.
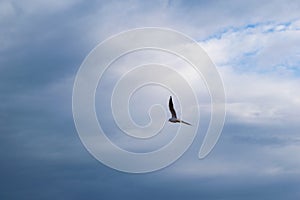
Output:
(174, 118)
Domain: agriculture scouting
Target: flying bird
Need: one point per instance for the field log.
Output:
(174, 118)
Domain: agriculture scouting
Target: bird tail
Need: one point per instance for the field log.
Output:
(185, 123)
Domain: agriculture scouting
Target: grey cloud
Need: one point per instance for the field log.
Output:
(41, 154)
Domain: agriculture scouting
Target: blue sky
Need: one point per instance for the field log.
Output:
(256, 47)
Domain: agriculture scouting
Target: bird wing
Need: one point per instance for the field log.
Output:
(185, 123)
(171, 107)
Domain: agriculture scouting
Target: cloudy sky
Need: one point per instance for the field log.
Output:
(255, 46)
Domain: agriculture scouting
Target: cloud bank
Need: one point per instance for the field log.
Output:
(255, 47)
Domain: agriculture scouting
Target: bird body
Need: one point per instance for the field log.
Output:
(174, 118)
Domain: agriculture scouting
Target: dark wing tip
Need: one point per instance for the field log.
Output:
(170, 101)
(171, 107)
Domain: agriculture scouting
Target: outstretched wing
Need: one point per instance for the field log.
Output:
(186, 123)
(171, 107)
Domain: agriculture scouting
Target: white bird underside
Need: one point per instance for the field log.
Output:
(174, 118)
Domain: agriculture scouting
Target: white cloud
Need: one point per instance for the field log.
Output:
(267, 107)
(261, 98)
(262, 47)
(33, 7)
(242, 159)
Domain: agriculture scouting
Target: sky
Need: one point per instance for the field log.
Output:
(255, 47)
